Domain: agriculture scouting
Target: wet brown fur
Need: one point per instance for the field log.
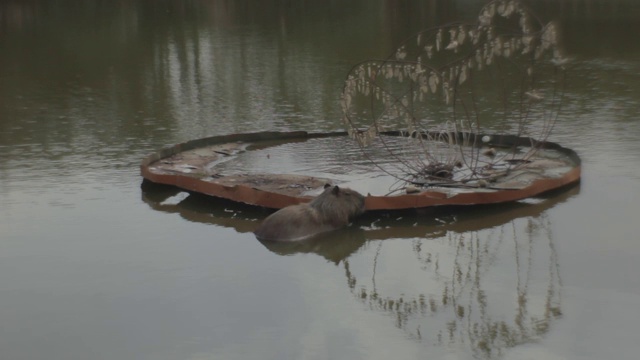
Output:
(331, 210)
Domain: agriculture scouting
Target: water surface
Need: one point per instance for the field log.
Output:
(92, 266)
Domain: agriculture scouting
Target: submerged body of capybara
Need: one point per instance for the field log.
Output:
(331, 210)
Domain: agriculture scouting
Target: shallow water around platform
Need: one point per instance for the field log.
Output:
(94, 266)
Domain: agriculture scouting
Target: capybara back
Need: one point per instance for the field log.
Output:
(331, 210)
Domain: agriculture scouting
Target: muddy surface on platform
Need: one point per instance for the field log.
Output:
(201, 163)
(215, 164)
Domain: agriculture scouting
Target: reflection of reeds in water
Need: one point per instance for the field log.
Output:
(481, 291)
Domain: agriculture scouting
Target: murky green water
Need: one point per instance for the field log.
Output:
(92, 266)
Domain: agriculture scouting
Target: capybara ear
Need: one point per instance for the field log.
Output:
(327, 185)
(336, 190)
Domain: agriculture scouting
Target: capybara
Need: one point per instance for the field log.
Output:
(331, 210)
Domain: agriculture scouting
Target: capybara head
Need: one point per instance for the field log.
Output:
(338, 205)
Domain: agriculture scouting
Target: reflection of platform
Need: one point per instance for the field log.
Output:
(218, 166)
(339, 245)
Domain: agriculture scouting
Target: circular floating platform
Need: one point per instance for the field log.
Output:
(278, 169)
